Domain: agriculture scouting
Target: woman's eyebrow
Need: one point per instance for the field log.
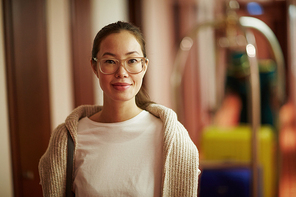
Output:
(132, 52)
(111, 54)
(108, 53)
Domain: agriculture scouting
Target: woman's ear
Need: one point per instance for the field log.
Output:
(146, 65)
(94, 67)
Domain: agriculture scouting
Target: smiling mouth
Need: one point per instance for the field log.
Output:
(121, 86)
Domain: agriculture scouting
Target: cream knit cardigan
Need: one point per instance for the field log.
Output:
(180, 155)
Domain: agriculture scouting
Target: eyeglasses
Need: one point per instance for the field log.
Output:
(133, 65)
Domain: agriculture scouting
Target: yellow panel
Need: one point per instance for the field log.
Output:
(234, 144)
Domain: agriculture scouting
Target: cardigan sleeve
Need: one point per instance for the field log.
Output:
(181, 158)
(181, 166)
(52, 165)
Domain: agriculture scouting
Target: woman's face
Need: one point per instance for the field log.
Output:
(120, 86)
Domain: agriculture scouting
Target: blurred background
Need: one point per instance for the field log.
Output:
(226, 67)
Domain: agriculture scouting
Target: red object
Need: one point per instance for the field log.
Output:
(287, 141)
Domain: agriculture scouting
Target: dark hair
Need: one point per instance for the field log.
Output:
(142, 98)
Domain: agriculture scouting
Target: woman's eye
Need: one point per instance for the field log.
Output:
(110, 62)
(133, 61)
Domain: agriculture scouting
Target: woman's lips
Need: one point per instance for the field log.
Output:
(121, 86)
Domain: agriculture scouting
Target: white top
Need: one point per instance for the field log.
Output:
(119, 159)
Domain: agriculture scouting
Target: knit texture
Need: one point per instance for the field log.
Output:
(180, 155)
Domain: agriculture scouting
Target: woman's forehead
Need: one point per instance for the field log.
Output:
(122, 43)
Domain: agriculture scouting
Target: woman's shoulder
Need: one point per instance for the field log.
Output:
(58, 135)
(83, 111)
(160, 110)
(169, 117)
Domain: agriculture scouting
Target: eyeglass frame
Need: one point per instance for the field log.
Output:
(143, 60)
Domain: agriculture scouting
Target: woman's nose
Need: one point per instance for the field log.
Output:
(121, 71)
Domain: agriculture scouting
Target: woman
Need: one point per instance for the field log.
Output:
(130, 146)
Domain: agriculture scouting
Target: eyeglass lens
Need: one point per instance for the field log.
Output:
(132, 65)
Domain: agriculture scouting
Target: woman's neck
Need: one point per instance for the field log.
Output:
(116, 112)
